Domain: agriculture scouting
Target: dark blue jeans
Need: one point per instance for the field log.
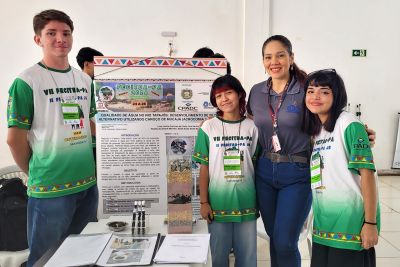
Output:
(284, 199)
(52, 219)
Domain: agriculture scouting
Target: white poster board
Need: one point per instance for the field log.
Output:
(396, 158)
(149, 113)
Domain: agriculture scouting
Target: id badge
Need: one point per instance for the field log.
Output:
(232, 164)
(316, 171)
(275, 143)
(70, 113)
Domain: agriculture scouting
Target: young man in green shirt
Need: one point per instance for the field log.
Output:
(49, 135)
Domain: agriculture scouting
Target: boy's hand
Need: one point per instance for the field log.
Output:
(206, 212)
(369, 236)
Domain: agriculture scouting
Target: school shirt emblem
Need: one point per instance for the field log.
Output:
(293, 108)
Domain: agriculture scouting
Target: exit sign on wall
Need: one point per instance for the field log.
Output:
(359, 53)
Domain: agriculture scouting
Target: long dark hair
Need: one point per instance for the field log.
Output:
(328, 77)
(228, 82)
(294, 70)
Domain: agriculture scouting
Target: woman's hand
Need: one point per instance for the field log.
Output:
(371, 135)
(369, 236)
(206, 212)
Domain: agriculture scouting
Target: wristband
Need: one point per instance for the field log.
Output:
(370, 223)
(205, 202)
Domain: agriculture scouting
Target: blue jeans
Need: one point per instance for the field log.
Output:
(52, 219)
(242, 237)
(284, 199)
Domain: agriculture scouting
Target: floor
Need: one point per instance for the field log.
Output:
(388, 248)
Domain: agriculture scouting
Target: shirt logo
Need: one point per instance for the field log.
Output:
(360, 144)
(292, 109)
(9, 104)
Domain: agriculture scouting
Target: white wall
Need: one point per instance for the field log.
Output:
(119, 28)
(324, 32)
(256, 30)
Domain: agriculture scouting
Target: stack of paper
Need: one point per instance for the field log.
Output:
(78, 250)
(104, 250)
(184, 248)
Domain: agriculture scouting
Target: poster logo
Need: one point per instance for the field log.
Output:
(207, 105)
(106, 93)
(186, 94)
(187, 108)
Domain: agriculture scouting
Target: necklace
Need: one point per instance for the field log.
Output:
(54, 80)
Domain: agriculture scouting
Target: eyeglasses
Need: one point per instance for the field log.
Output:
(324, 71)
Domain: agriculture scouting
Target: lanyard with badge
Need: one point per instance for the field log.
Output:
(274, 116)
(316, 166)
(70, 113)
(69, 107)
(233, 158)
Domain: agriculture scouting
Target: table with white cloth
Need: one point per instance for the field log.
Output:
(156, 225)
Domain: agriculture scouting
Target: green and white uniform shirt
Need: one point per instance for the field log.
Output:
(232, 200)
(338, 204)
(62, 159)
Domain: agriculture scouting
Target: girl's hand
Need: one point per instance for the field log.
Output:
(369, 236)
(206, 212)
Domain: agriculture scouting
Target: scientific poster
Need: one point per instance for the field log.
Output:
(145, 127)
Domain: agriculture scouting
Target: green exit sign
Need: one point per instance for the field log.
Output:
(359, 53)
